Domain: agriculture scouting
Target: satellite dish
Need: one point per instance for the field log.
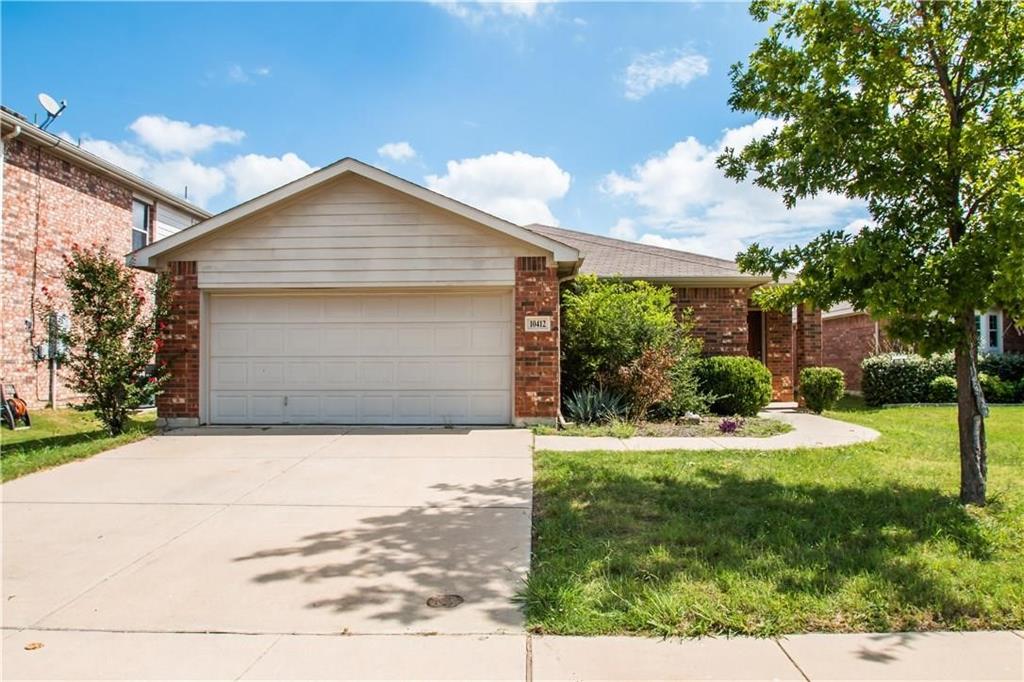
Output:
(52, 107)
(50, 104)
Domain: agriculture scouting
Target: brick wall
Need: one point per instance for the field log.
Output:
(846, 341)
(48, 205)
(807, 338)
(720, 317)
(537, 369)
(1013, 338)
(180, 397)
(778, 334)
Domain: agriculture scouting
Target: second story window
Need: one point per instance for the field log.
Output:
(140, 224)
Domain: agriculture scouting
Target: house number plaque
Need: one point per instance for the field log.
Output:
(538, 324)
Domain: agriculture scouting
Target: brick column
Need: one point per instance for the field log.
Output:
(719, 316)
(807, 338)
(178, 404)
(537, 396)
(778, 330)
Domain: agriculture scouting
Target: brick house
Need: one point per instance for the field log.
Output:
(354, 296)
(56, 194)
(849, 336)
(719, 295)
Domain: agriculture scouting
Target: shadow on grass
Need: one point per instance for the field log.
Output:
(66, 440)
(732, 544)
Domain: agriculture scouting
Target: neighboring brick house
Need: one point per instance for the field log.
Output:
(719, 295)
(55, 195)
(849, 336)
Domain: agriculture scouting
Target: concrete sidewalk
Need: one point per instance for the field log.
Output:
(77, 655)
(809, 431)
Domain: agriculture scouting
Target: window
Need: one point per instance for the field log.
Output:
(140, 224)
(990, 331)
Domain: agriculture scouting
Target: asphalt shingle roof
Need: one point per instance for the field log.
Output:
(608, 257)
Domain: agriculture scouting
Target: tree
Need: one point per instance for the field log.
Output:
(112, 334)
(917, 109)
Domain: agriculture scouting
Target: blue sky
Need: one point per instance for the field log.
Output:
(602, 117)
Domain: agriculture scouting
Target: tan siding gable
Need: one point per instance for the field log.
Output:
(355, 233)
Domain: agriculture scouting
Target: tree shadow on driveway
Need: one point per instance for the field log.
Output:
(385, 566)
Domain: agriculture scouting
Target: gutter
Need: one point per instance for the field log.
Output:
(75, 153)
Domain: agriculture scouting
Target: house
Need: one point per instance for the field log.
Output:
(850, 335)
(56, 194)
(354, 296)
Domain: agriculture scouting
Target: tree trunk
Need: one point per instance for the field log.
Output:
(971, 413)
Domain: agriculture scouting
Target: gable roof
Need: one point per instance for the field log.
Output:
(11, 121)
(144, 257)
(608, 257)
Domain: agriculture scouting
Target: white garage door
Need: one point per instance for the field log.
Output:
(361, 359)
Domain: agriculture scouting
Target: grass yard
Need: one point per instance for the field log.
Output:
(853, 539)
(753, 427)
(59, 436)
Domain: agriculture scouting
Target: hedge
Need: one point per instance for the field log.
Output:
(907, 378)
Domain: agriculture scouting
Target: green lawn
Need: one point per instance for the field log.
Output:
(59, 436)
(861, 538)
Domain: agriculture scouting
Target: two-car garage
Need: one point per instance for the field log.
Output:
(351, 296)
(365, 358)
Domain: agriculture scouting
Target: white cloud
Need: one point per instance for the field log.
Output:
(397, 151)
(254, 174)
(476, 11)
(654, 70)
(236, 73)
(684, 201)
(246, 176)
(167, 136)
(122, 154)
(625, 228)
(515, 186)
(203, 182)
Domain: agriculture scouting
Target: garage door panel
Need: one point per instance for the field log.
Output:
(348, 359)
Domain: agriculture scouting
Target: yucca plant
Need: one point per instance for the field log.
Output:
(595, 405)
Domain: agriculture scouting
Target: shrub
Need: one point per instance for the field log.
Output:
(739, 385)
(821, 387)
(112, 334)
(595, 405)
(730, 424)
(607, 324)
(995, 389)
(1008, 366)
(942, 390)
(647, 380)
(627, 336)
(895, 378)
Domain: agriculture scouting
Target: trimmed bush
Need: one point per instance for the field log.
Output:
(942, 390)
(907, 378)
(1008, 366)
(895, 378)
(737, 384)
(995, 389)
(821, 387)
(595, 406)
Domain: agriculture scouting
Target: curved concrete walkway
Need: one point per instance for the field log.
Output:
(809, 431)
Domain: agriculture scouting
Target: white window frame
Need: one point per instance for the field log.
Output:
(149, 222)
(985, 328)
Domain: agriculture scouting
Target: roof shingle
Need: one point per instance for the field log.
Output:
(608, 257)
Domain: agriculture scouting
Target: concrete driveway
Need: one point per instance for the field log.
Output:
(274, 531)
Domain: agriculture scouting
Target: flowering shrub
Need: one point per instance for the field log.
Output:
(112, 334)
(730, 424)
